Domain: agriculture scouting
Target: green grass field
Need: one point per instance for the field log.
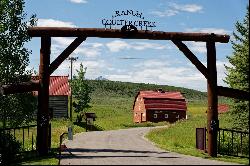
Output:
(114, 111)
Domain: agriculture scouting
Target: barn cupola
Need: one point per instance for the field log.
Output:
(160, 90)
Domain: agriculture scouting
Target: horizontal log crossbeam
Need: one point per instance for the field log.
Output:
(117, 33)
(65, 54)
(19, 87)
(232, 93)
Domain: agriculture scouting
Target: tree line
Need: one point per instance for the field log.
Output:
(128, 89)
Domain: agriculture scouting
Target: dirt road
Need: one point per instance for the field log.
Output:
(123, 147)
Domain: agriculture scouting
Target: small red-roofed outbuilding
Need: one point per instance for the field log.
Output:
(59, 91)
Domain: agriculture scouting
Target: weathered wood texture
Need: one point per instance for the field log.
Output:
(232, 93)
(117, 33)
(43, 98)
(212, 113)
(19, 87)
(59, 104)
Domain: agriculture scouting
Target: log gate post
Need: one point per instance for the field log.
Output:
(212, 112)
(43, 97)
(46, 69)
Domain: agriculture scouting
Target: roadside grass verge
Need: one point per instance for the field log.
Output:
(180, 137)
(58, 127)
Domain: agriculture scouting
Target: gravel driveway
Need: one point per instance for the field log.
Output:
(123, 147)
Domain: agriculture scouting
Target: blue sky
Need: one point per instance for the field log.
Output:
(147, 61)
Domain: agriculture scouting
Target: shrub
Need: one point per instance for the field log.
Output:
(9, 148)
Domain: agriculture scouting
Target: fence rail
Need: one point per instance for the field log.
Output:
(233, 142)
(26, 135)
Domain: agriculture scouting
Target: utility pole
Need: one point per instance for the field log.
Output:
(71, 68)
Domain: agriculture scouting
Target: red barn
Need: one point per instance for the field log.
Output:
(156, 106)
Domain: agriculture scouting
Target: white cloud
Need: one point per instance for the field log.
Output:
(94, 67)
(151, 63)
(144, 45)
(78, 1)
(221, 72)
(166, 13)
(85, 49)
(119, 77)
(173, 9)
(54, 23)
(63, 41)
(208, 30)
(163, 73)
(172, 75)
(117, 45)
(88, 51)
(192, 8)
(198, 47)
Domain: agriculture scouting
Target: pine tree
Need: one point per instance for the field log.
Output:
(14, 59)
(238, 73)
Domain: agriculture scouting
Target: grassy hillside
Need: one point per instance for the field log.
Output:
(128, 89)
(112, 101)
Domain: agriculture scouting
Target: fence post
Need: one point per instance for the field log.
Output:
(49, 135)
(23, 137)
(241, 142)
(232, 142)
(219, 141)
(32, 142)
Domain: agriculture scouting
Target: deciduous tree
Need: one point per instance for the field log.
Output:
(81, 92)
(14, 59)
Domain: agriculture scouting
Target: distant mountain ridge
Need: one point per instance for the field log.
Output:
(101, 78)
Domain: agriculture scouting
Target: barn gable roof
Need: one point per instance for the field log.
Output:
(160, 100)
(58, 86)
(161, 95)
(222, 108)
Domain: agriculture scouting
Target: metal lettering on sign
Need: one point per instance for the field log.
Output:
(137, 20)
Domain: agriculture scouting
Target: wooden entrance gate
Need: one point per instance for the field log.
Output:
(46, 69)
